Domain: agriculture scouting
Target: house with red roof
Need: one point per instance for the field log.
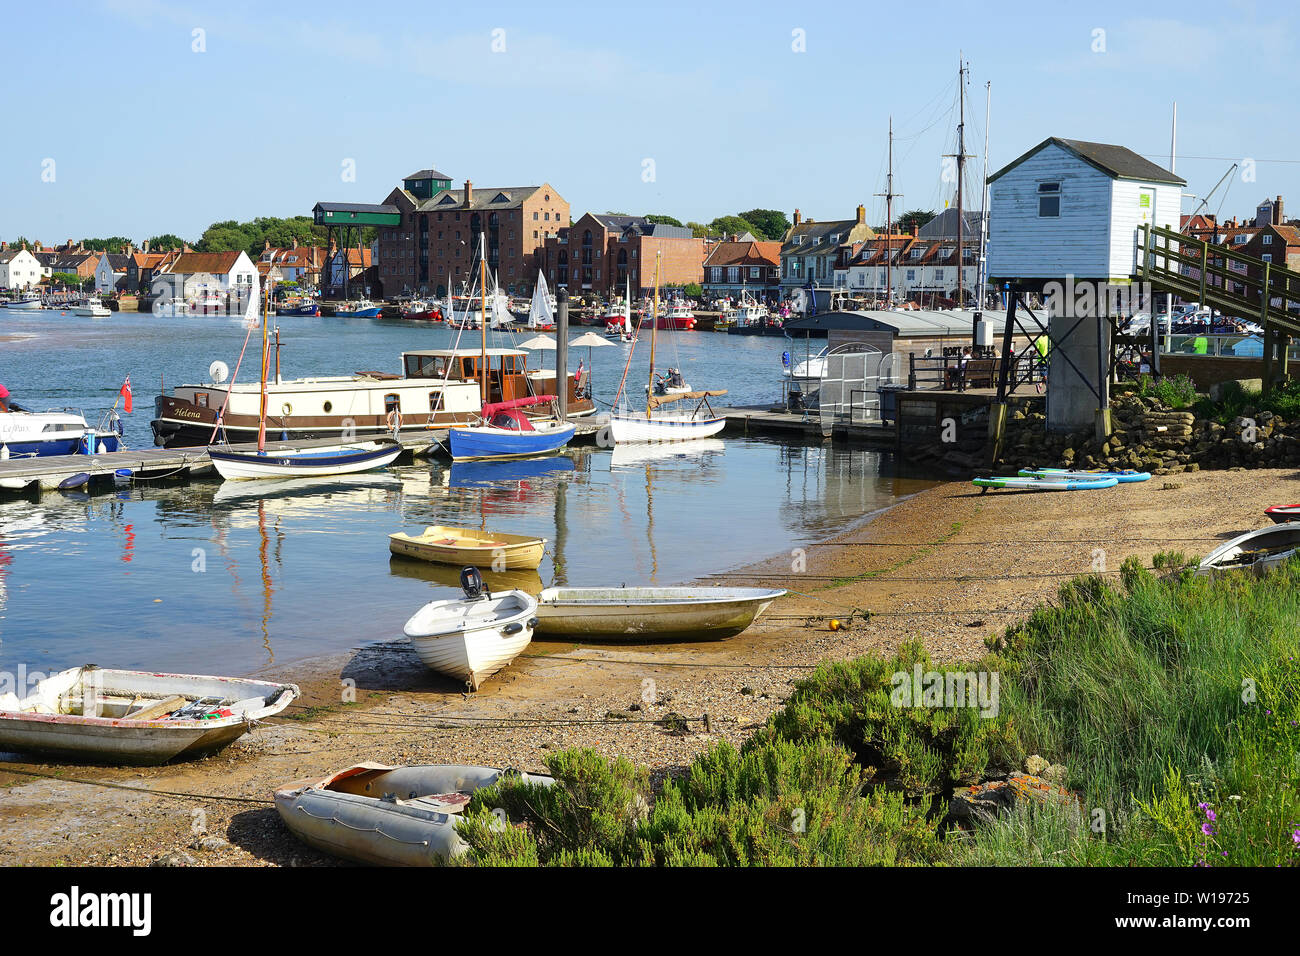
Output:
(733, 266)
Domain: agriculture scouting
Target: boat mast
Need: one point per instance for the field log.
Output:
(261, 416)
(983, 273)
(654, 327)
(961, 165)
(482, 283)
(889, 221)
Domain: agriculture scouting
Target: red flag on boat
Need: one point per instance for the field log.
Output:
(126, 395)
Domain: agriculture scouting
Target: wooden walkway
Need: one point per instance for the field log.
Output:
(155, 463)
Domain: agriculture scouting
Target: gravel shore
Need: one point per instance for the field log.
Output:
(949, 565)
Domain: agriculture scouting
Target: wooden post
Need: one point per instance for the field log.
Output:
(1269, 336)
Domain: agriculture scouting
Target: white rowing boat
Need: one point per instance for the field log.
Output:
(474, 637)
(637, 614)
(388, 816)
(1259, 551)
(121, 716)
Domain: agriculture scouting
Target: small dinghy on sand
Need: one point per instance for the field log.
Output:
(134, 717)
(388, 816)
(650, 614)
(1259, 551)
(473, 638)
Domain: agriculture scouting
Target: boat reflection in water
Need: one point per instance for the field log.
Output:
(448, 576)
(626, 456)
(488, 474)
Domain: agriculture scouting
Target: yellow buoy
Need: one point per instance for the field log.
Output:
(835, 624)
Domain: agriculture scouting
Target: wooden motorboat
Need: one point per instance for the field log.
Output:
(470, 547)
(1259, 551)
(388, 816)
(650, 614)
(474, 637)
(304, 462)
(135, 717)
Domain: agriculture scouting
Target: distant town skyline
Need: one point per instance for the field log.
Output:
(152, 117)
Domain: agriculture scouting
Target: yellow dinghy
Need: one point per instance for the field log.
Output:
(489, 550)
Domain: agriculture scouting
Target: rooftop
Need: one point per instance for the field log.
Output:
(1117, 162)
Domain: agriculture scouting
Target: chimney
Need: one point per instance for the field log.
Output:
(469, 193)
(915, 228)
(862, 214)
(145, 247)
(1277, 212)
(295, 242)
(267, 247)
(797, 218)
(185, 247)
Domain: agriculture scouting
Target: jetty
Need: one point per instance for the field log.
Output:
(193, 462)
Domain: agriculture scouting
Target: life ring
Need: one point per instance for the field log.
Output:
(394, 420)
(286, 409)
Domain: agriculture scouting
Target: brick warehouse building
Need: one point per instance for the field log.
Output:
(603, 253)
(438, 235)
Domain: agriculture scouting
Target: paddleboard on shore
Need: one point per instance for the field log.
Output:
(1059, 483)
(1127, 475)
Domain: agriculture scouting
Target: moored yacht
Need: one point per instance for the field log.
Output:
(437, 388)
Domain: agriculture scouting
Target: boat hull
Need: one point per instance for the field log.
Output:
(1259, 551)
(650, 614)
(461, 547)
(631, 428)
(347, 815)
(121, 740)
(470, 640)
(341, 460)
(486, 442)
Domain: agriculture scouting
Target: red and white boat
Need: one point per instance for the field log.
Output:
(678, 317)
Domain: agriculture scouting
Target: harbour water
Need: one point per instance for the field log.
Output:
(230, 578)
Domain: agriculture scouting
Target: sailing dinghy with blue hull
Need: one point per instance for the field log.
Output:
(507, 433)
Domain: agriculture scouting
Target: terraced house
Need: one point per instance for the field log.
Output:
(810, 250)
(734, 266)
(436, 240)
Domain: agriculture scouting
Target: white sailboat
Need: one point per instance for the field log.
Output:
(540, 314)
(652, 426)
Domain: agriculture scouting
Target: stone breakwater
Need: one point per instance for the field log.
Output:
(1148, 436)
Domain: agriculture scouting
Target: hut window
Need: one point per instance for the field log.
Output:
(1049, 200)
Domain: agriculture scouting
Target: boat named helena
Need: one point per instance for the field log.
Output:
(437, 388)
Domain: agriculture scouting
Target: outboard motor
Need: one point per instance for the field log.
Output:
(471, 582)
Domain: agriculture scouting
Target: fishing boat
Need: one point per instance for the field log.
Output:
(699, 422)
(343, 459)
(1280, 514)
(1259, 551)
(650, 614)
(29, 303)
(93, 308)
(469, 546)
(362, 309)
(507, 432)
(298, 308)
(678, 317)
(388, 816)
(135, 717)
(617, 318)
(473, 637)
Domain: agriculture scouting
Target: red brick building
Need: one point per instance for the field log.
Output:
(437, 239)
(603, 253)
(734, 266)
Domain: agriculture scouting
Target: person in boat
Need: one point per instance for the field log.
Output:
(675, 379)
(4, 399)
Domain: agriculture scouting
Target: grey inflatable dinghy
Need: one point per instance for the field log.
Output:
(388, 816)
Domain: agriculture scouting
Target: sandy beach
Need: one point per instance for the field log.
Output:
(949, 565)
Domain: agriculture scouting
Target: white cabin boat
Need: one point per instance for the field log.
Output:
(93, 308)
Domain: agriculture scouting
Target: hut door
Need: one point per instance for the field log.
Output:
(1146, 205)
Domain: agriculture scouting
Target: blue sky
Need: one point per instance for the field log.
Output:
(147, 135)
